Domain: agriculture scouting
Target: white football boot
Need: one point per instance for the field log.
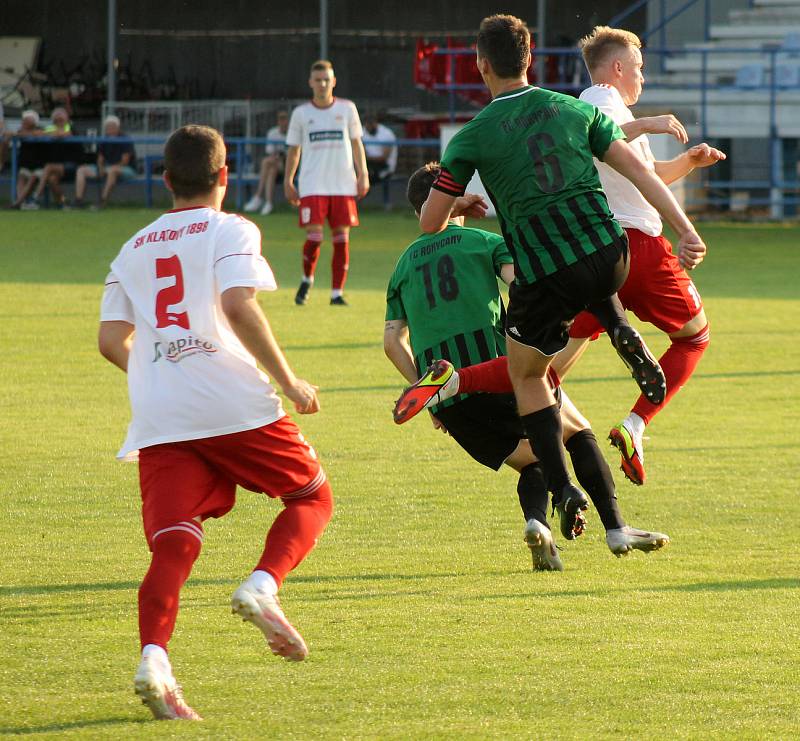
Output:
(543, 547)
(264, 611)
(623, 540)
(157, 688)
(255, 203)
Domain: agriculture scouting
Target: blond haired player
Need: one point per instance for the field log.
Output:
(326, 134)
(180, 316)
(657, 288)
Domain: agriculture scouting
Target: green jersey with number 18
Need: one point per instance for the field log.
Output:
(533, 150)
(444, 287)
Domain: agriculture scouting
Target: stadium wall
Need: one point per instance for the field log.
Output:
(169, 52)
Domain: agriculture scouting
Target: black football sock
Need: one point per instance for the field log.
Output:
(544, 431)
(609, 313)
(532, 491)
(594, 475)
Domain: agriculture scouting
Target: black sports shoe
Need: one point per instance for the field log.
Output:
(339, 301)
(302, 293)
(570, 503)
(643, 366)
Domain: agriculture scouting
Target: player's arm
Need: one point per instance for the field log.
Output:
(397, 347)
(114, 341)
(251, 327)
(701, 155)
(667, 124)
(292, 161)
(624, 160)
(440, 207)
(360, 163)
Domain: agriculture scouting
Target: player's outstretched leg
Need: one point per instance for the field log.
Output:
(290, 539)
(642, 364)
(439, 382)
(626, 539)
(158, 689)
(175, 549)
(543, 547)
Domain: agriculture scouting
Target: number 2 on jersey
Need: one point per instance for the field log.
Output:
(170, 267)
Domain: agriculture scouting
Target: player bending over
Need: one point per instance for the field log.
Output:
(180, 316)
(657, 289)
(443, 300)
(533, 149)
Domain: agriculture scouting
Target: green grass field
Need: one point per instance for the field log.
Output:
(421, 612)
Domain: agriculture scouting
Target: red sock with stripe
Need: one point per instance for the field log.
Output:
(311, 253)
(295, 531)
(678, 364)
(340, 260)
(491, 377)
(174, 550)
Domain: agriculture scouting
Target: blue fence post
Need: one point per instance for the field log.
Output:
(239, 175)
(707, 20)
(148, 182)
(663, 35)
(14, 168)
(775, 154)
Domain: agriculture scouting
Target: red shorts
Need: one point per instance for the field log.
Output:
(198, 478)
(338, 210)
(657, 289)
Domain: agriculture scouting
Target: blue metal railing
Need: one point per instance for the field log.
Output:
(237, 156)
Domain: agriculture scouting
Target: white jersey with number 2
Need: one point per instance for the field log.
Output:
(324, 136)
(631, 209)
(189, 376)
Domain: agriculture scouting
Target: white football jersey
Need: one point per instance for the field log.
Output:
(189, 376)
(275, 134)
(631, 209)
(326, 158)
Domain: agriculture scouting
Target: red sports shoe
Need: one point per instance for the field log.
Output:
(439, 382)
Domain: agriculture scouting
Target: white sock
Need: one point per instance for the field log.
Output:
(263, 581)
(151, 650)
(306, 279)
(635, 425)
(336, 292)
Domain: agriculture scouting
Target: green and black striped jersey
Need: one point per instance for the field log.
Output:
(444, 287)
(533, 150)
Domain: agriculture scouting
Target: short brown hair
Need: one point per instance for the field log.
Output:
(603, 41)
(193, 157)
(506, 42)
(322, 64)
(419, 184)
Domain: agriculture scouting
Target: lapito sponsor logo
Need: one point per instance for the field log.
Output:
(177, 350)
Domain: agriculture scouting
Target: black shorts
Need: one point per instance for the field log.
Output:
(487, 426)
(540, 314)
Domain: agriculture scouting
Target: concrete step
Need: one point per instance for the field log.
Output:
(771, 16)
(765, 32)
(777, 3)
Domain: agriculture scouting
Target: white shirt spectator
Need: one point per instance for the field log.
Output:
(326, 159)
(629, 206)
(375, 151)
(184, 348)
(273, 134)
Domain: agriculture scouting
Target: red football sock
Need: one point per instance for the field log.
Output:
(678, 363)
(491, 377)
(311, 253)
(295, 531)
(174, 554)
(340, 261)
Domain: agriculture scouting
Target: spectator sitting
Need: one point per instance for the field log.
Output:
(271, 166)
(62, 159)
(29, 155)
(381, 157)
(116, 160)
